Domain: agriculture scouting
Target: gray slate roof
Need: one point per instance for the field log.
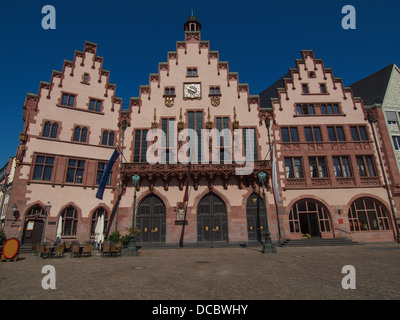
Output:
(372, 89)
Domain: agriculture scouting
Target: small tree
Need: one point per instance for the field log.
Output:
(115, 236)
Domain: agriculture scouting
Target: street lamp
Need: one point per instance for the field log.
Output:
(131, 249)
(47, 208)
(268, 247)
(15, 211)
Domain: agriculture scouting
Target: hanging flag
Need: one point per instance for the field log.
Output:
(275, 186)
(106, 174)
(186, 195)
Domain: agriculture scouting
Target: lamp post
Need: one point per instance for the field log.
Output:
(47, 208)
(131, 249)
(268, 247)
(14, 210)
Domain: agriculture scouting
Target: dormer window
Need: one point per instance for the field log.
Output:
(169, 91)
(215, 90)
(191, 72)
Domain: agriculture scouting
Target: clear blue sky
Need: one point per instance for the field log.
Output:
(259, 39)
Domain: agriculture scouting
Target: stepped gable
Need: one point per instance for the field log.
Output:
(174, 58)
(308, 70)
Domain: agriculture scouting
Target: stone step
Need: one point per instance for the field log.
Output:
(314, 242)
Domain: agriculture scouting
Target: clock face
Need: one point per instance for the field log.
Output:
(191, 90)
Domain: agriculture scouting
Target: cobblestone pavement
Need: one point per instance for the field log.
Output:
(211, 273)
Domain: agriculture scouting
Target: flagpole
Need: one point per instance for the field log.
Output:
(272, 156)
(268, 246)
(119, 176)
(186, 199)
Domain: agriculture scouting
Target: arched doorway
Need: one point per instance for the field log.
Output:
(255, 218)
(212, 224)
(151, 221)
(310, 218)
(34, 225)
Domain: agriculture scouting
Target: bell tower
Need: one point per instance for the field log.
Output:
(192, 24)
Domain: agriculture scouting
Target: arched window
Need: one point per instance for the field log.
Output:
(366, 214)
(77, 133)
(69, 221)
(95, 218)
(80, 134)
(50, 130)
(36, 211)
(83, 134)
(54, 130)
(46, 129)
(111, 139)
(105, 138)
(108, 138)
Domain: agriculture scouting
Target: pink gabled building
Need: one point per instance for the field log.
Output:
(70, 131)
(330, 177)
(194, 90)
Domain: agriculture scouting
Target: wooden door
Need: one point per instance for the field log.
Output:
(255, 218)
(212, 223)
(151, 221)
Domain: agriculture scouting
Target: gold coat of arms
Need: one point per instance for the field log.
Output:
(169, 101)
(215, 101)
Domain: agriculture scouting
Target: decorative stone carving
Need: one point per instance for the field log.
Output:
(215, 101)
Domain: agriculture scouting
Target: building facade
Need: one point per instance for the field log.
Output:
(329, 169)
(198, 141)
(381, 95)
(70, 131)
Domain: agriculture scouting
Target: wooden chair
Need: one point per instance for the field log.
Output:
(35, 249)
(116, 249)
(44, 251)
(67, 246)
(60, 251)
(106, 249)
(87, 250)
(75, 250)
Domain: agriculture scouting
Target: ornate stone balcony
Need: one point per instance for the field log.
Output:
(168, 172)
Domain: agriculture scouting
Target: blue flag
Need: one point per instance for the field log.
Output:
(106, 174)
